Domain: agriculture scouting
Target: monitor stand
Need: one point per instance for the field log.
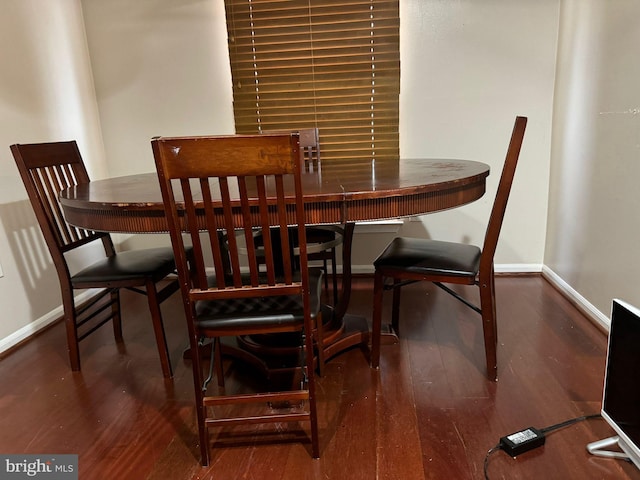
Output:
(598, 448)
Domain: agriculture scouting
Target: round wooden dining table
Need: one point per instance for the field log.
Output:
(336, 194)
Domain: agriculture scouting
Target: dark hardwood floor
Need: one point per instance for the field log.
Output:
(429, 412)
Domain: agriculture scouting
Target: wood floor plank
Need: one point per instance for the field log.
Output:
(399, 449)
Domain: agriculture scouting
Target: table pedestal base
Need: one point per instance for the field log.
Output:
(273, 359)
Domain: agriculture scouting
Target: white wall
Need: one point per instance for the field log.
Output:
(46, 94)
(161, 67)
(593, 225)
(468, 68)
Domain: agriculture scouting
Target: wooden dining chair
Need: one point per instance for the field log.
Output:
(409, 260)
(211, 188)
(322, 240)
(48, 168)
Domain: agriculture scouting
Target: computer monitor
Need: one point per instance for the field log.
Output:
(621, 393)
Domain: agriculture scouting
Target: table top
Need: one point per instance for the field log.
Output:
(332, 193)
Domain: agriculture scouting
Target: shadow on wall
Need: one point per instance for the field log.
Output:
(32, 258)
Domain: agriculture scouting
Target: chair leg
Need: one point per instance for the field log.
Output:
(203, 433)
(376, 327)
(488, 307)
(334, 276)
(395, 308)
(495, 316)
(217, 351)
(326, 274)
(158, 329)
(311, 387)
(319, 340)
(116, 318)
(70, 321)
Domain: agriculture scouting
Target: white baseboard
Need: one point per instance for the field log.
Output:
(518, 267)
(500, 268)
(379, 226)
(39, 324)
(582, 303)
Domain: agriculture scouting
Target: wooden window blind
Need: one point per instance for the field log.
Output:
(329, 64)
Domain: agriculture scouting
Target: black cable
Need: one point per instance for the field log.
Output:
(569, 422)
(486, 459)
(543, 431)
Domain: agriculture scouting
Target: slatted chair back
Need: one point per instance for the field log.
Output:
(322, 240)
(215, 186)
(46, 169)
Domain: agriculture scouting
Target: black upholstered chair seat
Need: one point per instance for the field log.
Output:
(430, 257)
(127, 266)
(255, 312)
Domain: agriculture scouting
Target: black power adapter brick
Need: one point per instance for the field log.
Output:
(520, 442)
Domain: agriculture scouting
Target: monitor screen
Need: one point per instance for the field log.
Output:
(621, 395)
